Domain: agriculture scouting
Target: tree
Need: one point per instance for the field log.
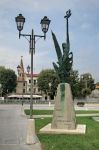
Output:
(75, 84)
(45, 77)
(87, 84)
(49, 76)
(8, 80)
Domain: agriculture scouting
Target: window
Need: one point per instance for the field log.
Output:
(34, 82)
(38, 89)
(23, 90)
(24, 84)
(29, 81)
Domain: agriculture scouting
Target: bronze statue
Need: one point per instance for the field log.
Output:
(65, 58)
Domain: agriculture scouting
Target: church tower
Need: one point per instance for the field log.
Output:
(21, 83)
(20, 69)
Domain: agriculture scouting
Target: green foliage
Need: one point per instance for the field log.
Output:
(45, 77)
(75, 84)
(87, 84)
(50, 112)
(97, 83)
(81, 87)
(86, 91)
(39, 112)
(70, 142)
(78, 85)
(2, 68)
(65, 60)
(8, 80)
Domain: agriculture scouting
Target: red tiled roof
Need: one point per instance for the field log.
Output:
(97, 86)
(34, 75)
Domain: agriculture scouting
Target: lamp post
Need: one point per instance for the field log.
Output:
(86, 80)
(18, 69)
(28, 69)
(20, 20)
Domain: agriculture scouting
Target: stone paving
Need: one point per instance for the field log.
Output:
(13, 126)
(13, 129)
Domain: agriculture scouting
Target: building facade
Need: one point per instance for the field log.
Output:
(24, 81)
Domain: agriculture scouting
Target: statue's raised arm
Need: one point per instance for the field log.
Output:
(65, 57)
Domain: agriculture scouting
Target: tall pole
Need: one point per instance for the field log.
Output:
(68, 14)
(20, 20)
(67, 32)
(31, 51)
(22, 87)
(22, 83)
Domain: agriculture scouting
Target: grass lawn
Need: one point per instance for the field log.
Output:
(89, 141)
(50, 112)
(39, 112)
(87, 111)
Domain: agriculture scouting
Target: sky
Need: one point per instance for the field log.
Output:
(83, 32)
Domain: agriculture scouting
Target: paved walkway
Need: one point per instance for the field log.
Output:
(13, 128)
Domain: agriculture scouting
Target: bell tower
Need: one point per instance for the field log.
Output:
(21, 83)
(20, 69)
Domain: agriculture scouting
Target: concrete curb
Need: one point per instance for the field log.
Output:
(77, 115)
(31, 135)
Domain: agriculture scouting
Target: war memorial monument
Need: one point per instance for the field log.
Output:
(64, 117)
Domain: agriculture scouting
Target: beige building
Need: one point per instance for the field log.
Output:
(24, 81)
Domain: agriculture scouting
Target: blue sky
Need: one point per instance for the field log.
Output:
(83, 29)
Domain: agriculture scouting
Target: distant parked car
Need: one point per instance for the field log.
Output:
(80, 104)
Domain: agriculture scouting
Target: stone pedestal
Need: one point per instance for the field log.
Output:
(64, 119)
(64, 113)
(80, 129)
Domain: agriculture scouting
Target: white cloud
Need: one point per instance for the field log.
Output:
(8, 57)
(33, 5)
(97, 36)
(60, 5)
(11, 59)
(85, 26)
(82, 16)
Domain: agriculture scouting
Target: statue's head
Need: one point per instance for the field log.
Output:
(65, 47)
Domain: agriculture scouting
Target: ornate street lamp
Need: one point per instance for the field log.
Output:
(20, 20)
(28, 69)
(86, 79)
(45, 25)
(18, 69)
